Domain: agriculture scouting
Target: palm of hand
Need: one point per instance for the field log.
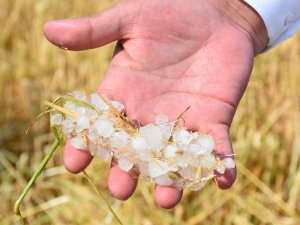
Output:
(166, 63)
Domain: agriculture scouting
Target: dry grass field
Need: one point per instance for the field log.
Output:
(265, 132)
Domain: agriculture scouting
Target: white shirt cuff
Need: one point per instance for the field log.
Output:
(281, 17)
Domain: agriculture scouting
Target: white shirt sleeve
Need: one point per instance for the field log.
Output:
(281, 17)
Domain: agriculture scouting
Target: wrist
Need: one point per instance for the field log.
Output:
(246, 19)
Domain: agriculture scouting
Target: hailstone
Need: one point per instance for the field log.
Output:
(163, 152)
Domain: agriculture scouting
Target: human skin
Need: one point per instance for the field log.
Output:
(171, 54)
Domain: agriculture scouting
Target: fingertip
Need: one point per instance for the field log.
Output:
(223, 149)
(226, 180)
(76, 160)
(50, 29)
(121, 184)
(67, 33)
(167, 197)
(46, 27)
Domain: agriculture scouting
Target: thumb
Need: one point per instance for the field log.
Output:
(89, 32)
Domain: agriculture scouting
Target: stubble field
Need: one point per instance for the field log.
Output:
(265, 133)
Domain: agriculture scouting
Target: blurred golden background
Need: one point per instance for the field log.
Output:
(265, 133)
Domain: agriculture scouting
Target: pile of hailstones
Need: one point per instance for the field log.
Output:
(162, 152)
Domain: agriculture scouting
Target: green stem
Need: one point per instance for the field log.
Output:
(100, 195)
(34, 177)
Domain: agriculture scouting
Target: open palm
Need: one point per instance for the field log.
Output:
(170, 55)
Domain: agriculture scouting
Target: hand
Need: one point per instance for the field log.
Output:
(171, 54)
